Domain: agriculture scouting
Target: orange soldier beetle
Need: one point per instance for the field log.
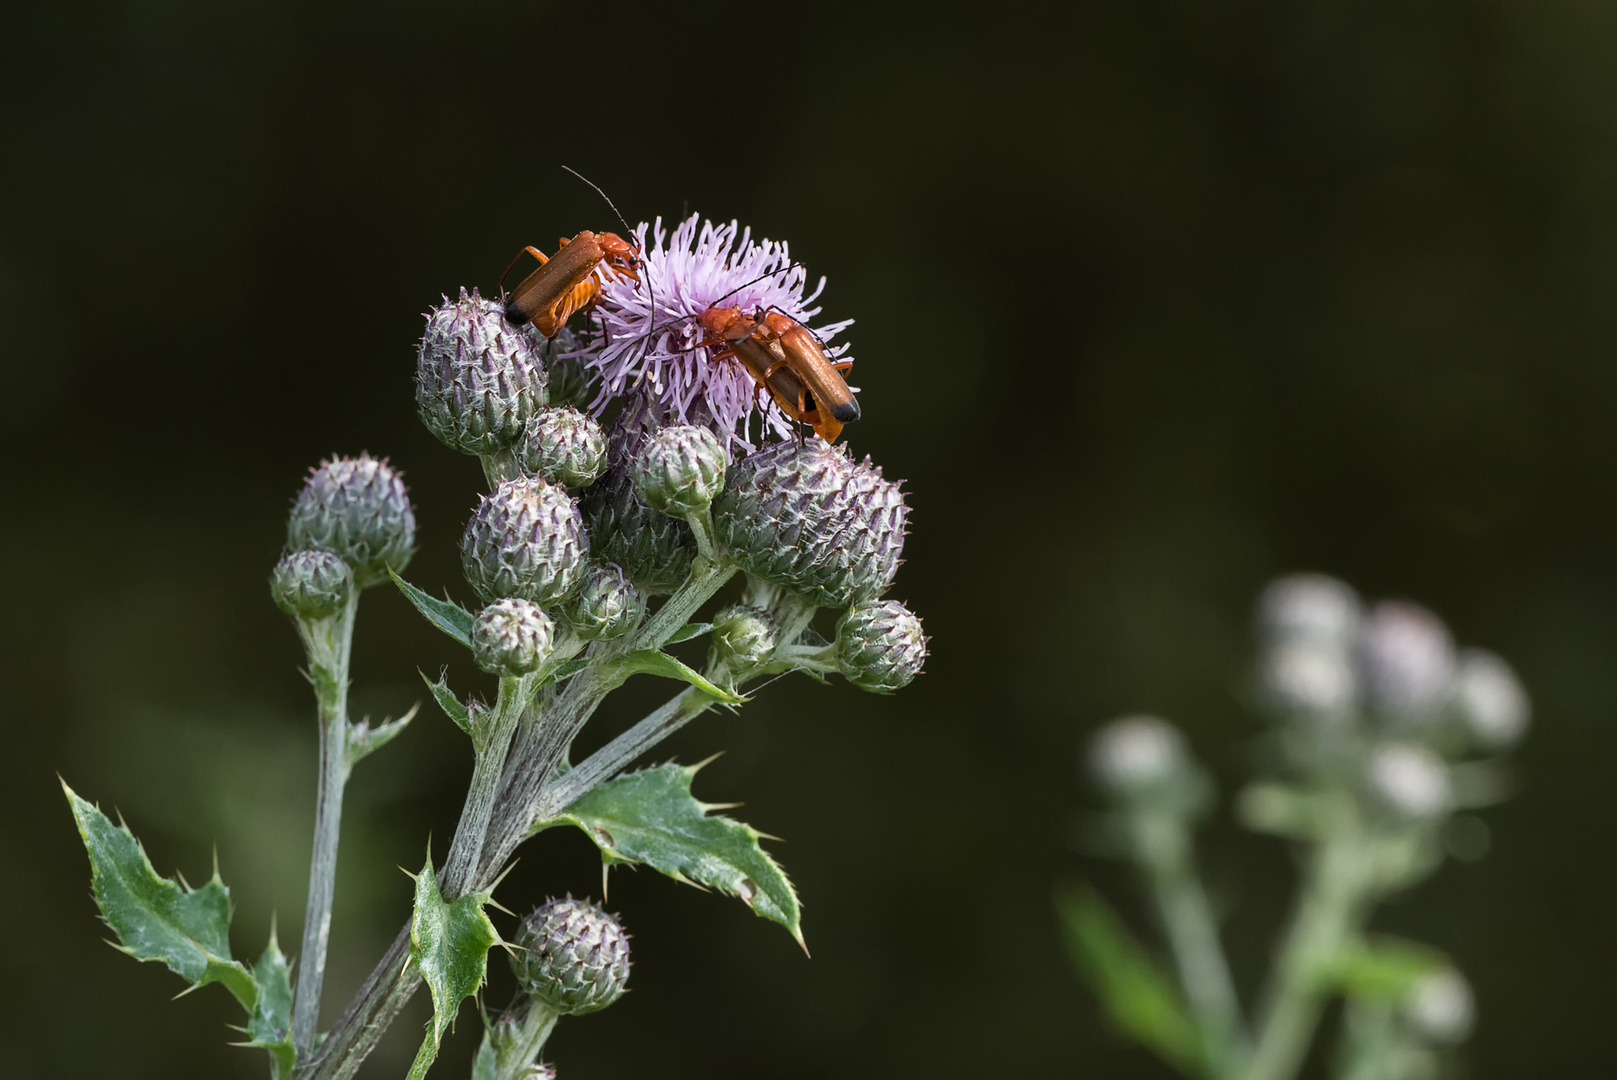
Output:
(784, 357)
(567, 282)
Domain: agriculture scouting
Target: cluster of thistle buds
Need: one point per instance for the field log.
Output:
(625, 488)
(1384, 738)
(585, 525)
(351, 522)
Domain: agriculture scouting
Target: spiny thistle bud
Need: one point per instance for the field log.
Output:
(880, 647)
(574, 958)
(356, 508)
(570, 378)
(1408, 660)
(743, 637)
(564, 446)
(311, 584)
(525, 540)
(511, 638)
(478, 379)
(1309, 679)
(1440, 1007)
(1136, 755)
(1409, 781)
(606, 606)
(1490, 700)
(679, 470)
(655, 550)
(806, 517)
(1311, 607)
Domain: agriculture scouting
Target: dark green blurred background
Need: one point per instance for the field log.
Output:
(1155, 300)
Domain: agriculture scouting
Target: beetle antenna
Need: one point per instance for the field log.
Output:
(756, 280)
(650, 291)
(603, 195)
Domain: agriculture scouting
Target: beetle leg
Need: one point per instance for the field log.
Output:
(529, 250)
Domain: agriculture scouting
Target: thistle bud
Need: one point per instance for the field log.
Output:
(574, 957)
(478, 379)
(655, 550)
(511, 638)
(526, 540)
(679, 470)
(743, 637)
(571, 380)
(1309, 607)
(564, 446)
(1137, 755)
(606, 606)
(311, 584)
(1490, 701)
(358, 509)
(1310, 680)
(880, 646)
(1440, 1007)
(1408, 661)
(1409, 781)
(806, 517)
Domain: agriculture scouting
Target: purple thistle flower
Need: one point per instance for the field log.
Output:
(650, 331)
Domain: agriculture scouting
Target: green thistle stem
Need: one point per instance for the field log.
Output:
(1370, 1044)
(1164, 843)
(520, 1056)
(328, 644)
(1330, 912)
(425, 1056)
(499, 467)
(706, 578)
(532, 762)
(491, 740)
(616, 755)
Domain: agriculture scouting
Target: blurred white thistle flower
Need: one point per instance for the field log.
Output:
(1440, 1006)
(1490, 700)
(1310, 680)
(1136, 753)
(1309, 607)
(1408, 661)
(1410, 781)
(649, 331)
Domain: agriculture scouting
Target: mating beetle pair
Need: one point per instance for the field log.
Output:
(784, 357)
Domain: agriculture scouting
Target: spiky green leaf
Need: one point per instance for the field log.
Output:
(688, 631)
(155, 918)
(1284, 810)
(1141, 1001)
(446, 615)
(270, 1024)
(1385, 969)
(448, 702)
(364, 740)
(486, 1064)
(651, 817)
(653, 662)
(449, 944)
